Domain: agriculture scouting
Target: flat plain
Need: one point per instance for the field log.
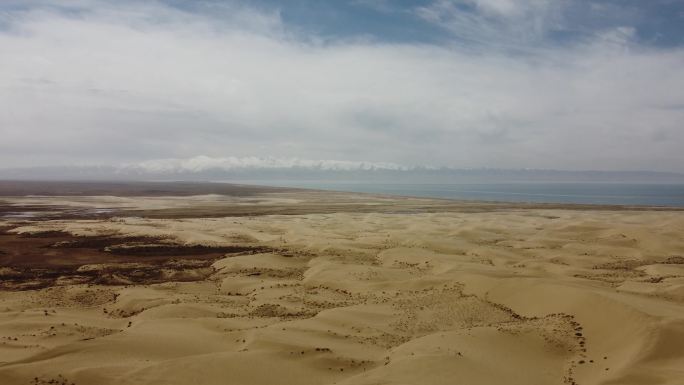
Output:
(134, 283)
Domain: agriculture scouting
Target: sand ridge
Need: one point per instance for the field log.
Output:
(512, 295)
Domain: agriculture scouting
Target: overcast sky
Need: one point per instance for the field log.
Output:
(565, 84)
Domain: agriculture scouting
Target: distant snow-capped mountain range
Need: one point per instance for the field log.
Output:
(205, 163)
(245, 169)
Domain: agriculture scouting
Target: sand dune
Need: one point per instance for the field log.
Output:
(506, 296)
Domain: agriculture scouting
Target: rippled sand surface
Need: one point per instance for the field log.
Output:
(294, 287)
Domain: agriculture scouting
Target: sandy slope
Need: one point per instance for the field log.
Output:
(507, 297)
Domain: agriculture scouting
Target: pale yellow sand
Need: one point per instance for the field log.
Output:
(514, 296)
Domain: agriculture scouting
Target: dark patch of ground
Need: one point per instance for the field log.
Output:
(59, 188)
(54, 257)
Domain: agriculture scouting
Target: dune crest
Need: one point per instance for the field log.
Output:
(515, 296)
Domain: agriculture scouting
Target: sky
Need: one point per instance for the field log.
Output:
(561, 84)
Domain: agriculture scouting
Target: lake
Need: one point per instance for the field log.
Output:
(583, 193)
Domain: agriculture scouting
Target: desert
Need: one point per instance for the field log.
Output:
(341, 192)
(287, 286)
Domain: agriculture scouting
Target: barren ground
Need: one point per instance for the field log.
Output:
(218, 284)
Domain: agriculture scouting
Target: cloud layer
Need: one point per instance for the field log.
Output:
(126, 82)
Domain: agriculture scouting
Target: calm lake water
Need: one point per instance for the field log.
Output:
(584, 193)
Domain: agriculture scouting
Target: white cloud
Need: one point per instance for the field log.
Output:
(617, 37)
(508, 8)
(502, 24)
(126, 84)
